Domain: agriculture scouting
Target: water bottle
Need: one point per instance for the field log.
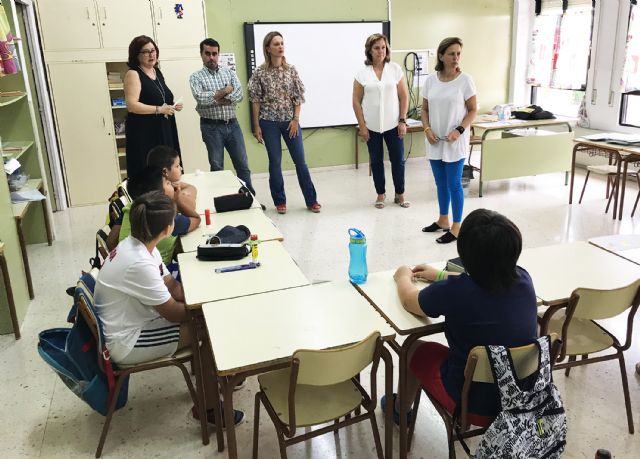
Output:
(357, 256)
(253, 243)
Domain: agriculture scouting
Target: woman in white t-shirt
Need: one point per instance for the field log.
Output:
(380, 101)
(141, 306)
(448, 109)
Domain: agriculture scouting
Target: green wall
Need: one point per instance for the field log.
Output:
(483, 25)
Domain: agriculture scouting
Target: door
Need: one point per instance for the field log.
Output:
(68, 24)
(121, 20)
(176, 74)
(82, 107)
(179, 29)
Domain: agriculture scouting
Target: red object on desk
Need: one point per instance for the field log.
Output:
(207, 217)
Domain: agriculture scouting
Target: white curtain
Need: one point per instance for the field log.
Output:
(560, 44)
(631, 73)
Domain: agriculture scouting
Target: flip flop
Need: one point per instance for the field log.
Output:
(403, 204)
(432, 228)
(446, 238)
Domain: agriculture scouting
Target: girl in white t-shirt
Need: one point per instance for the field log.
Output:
(448, 109)
(141, 306)
(380, 102)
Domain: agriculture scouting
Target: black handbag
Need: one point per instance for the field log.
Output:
(241, 200)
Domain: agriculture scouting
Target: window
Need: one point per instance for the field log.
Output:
(560, 47)
(630, 106)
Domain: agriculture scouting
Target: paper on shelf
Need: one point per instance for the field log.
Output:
(27, 195)
(11, 166)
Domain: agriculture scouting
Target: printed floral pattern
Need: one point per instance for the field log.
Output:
(278, 90)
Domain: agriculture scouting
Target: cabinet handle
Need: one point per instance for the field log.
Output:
(88, 13)
(104, 13)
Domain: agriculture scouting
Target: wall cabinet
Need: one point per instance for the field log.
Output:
(95, 24)
(85, 130)
(86, 40)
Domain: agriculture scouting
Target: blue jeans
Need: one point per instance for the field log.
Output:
(449, 183)
(395, 146)
(271, 133)
(217, 137)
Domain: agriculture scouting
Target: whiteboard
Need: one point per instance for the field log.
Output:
(327, 56)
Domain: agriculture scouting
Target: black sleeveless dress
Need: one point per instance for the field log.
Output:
(147, 131)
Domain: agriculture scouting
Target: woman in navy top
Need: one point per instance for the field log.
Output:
(492, 303)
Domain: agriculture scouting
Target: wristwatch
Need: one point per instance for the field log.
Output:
(460, 129)
(402, 120)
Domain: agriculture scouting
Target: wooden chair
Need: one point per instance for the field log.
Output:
(581, 335)
(320, 386)
(610, 171)
(474, 140)
(478, 369)
(121, 372)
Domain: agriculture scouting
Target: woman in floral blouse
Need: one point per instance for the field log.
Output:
(276, 94)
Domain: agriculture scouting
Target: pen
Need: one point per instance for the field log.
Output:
(229, 269)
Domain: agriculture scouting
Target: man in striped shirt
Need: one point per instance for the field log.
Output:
(217, 91)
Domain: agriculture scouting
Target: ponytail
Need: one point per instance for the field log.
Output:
(150, 214)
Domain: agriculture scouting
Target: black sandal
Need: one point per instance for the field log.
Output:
(432, 228)
(446, 238)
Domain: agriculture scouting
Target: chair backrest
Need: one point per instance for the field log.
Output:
(123, 190)
(116, 209)
(525, 361)
(101, 242)
(332, 366)
(86, 307)
(595, 304)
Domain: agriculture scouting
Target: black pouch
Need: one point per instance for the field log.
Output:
(243, 199)
(219, 252)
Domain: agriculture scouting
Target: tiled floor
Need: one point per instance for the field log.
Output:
(40, 417)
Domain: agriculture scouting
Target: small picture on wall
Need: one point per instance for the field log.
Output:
(179, 10)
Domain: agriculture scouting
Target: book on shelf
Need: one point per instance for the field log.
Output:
(455, 265)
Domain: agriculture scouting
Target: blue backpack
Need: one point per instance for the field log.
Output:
(73, 353)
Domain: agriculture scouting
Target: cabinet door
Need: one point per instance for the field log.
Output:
(68, 24)
(183, 29)
(176, 74)
(82, 107)
(121, 20)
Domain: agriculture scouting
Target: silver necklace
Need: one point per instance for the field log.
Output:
(158, 86)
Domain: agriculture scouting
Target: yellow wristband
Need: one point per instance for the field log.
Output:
(427, 129)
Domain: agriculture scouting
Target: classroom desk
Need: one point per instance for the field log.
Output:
(202, 284)
(254, 219)
(224, 178)
(557, 270)
(213, 184)
(519, 156)
(278, 323)
(381, 291)
(624, 245)
(622, 156)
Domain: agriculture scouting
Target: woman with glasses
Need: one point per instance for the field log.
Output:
(150, 105)
(448, 109)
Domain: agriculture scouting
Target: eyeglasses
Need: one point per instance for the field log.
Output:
(148, 52)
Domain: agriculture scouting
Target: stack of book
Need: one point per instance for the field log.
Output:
(115, 80)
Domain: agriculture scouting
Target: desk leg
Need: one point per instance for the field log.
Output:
(573, 172)
(10, 299)
(388, 392)
(47, 224)
(623, 186)
(480, 189)
(25, 259)
(617, 193)
(197, 370)
(228, 384)
(566, 178)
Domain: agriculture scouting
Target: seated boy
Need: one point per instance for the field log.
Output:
(167, 160)
(186, 220)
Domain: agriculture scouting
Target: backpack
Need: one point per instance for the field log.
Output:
(72, 354)
(532, 423)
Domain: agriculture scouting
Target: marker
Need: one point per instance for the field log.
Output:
(230, 269)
